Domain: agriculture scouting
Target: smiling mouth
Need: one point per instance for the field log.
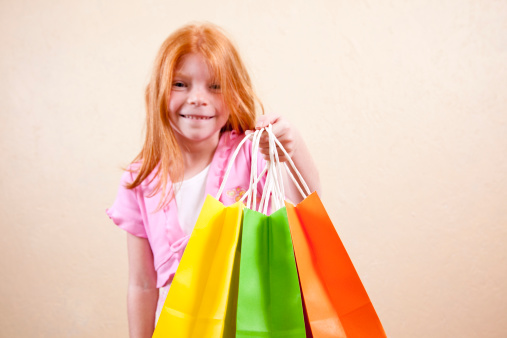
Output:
(196, 117)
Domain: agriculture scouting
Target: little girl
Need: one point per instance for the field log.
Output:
(199, 105)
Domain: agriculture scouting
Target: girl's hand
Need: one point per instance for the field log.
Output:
(291, 140)
(284, 132)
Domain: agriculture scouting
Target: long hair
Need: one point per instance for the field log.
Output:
(161, 151)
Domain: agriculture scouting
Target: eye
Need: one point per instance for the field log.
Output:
(215, 87)
(179, 84)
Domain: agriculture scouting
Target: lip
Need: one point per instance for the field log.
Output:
(196, 117)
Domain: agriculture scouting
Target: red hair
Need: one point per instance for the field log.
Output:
(160, 149)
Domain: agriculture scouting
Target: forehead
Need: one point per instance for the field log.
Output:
(193, 64)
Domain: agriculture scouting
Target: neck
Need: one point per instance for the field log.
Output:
(197, 155)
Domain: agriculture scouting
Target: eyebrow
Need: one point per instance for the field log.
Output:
(179, 73)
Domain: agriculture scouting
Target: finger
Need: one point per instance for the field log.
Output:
(282, 158)
(264, 152)
(264, 120)
(281, 129)
(264, 138)
(286, 142)
(264, 144)
(288, 146)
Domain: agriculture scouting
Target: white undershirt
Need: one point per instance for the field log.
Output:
(190, 196)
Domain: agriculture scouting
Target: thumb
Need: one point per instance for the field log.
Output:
(262, 121)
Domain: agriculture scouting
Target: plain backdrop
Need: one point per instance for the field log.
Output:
(402, 103)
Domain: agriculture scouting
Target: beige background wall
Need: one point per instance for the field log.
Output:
(403, 103)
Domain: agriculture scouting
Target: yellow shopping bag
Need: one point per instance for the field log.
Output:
(202, 298)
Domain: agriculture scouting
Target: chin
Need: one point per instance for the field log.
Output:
(200, 136)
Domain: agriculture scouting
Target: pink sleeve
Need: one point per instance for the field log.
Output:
(125, 211)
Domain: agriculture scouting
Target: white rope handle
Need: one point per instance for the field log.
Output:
(280, 191)
(273, 187)
(274, 182)
(267, 185)
(267, 188)
(252, 198)
(229, 167)
(254, 179)
(251, 193)
(277, 191)
(257, 180)
(308, 192)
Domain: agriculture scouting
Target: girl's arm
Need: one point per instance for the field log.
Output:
(306, 167)
(142, 291)
(295, 146)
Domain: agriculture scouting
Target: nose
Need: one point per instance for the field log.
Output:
(197, 98)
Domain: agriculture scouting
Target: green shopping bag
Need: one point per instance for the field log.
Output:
(269, 297)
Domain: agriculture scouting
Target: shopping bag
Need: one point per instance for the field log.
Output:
(201, 300)
(269, 297)
(336, 302)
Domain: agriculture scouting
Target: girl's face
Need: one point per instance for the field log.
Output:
(196, 107)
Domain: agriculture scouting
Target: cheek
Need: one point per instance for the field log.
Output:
(224, 113)
(222, 108)
(175, 101)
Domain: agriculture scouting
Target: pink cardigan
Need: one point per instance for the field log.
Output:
(134, 212)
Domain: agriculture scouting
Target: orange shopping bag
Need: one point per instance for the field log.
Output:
(335, 300)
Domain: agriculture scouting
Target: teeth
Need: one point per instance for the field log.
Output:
(193, 117)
